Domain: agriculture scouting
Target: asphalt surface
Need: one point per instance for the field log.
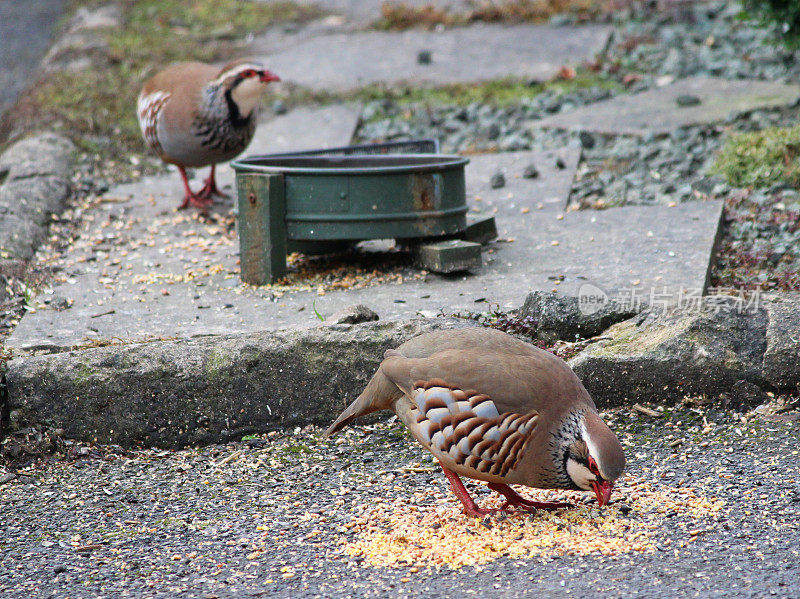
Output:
(26, 30)
(269, 517)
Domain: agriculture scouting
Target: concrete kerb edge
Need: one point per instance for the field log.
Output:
(205, 389)
(714, 249)
(173, 393)
(19, 166)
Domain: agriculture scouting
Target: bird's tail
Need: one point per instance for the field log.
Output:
(353, 411)
(378, 395)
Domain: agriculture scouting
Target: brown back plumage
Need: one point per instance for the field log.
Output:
(489, 406)
(517, 375)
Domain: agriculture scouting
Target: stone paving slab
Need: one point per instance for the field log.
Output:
(142, 270)
(658, 110)
(307, 128)
(346, 61)
(34, 183)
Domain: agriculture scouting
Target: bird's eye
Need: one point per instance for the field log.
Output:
(249, 73)
(593, 467)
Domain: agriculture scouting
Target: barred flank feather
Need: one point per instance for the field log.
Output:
(467, 427)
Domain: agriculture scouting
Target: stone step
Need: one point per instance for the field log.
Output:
(693, 101)
(480, 52)
(141, 270)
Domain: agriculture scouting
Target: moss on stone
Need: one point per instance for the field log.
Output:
(217, 362)
(498, 92)
(629, 339)
(761, 158)
(401, 16)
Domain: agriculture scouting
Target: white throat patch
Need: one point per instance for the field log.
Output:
(247, 94)
(580, 474)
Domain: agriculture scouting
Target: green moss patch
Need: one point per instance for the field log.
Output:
(400, 16)
(762, 158)
(498, 92)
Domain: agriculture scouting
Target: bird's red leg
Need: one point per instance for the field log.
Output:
(191, 198)
(470, 507)
(517, 500)
(210, 188)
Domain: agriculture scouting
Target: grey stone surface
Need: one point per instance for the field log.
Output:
(26, 30)
(82, 45)
(175, 393)
(554, 316)
(42, 154)
(307, 128)
(345, 61)
(100, 17)
(452, 255)
(141, 270)
(782, 359)
(37, 183)
(657, 110)
(667, 355)
(353, 315)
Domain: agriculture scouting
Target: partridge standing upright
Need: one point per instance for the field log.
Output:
(496, 409)
(194, 114)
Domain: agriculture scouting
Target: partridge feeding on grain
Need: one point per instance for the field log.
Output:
(496, 409)
(194, 114)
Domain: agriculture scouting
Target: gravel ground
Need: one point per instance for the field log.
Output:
(617, 170)
(614, 170)
(274, 517)
(761, 245)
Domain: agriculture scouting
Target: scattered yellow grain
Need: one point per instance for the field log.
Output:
(424, 531)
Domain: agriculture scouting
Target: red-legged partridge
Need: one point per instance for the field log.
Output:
(496, 409)
(194, 114)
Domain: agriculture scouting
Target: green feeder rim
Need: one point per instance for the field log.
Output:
(349, 165)
(425, 145)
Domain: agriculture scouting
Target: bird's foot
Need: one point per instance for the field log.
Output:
(470, 507)
(540, 505)
(195, 200)
(515, 499)
(480, 512)
(201, 199)
(543, 505)
(210, 188)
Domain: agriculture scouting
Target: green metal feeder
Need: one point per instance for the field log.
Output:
(324, 201)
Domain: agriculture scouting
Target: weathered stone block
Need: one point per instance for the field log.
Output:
(449, 256)
(664, 356)
(555, 316)
(781, 367)
(209, 389)
(481, 228)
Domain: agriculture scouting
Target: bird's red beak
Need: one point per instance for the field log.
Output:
(602, 488)
(269, 76)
